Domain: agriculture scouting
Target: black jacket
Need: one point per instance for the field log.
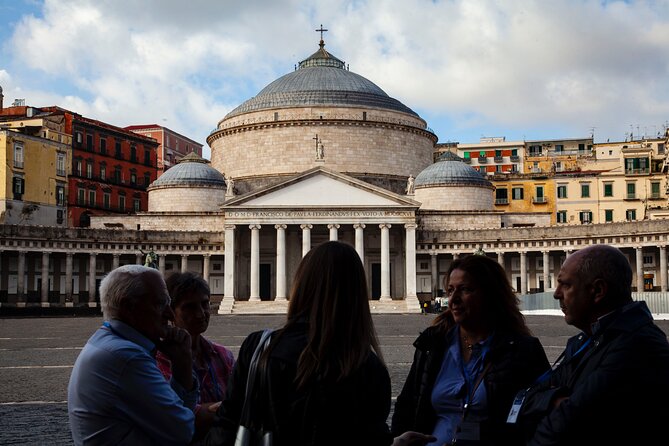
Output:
(353, 411)
(618, 386)
(516, 361)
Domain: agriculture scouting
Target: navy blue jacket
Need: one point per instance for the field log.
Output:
(618, 386)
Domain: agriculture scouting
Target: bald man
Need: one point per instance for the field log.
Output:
(611, 384)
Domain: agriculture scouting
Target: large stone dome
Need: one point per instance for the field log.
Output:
(451, 184)
(321, 79)
(321, 114)
(189, 186)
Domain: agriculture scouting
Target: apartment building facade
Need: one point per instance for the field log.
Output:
(172, 146)
(34, 150)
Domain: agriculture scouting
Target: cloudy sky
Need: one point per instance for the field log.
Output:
(522, 69)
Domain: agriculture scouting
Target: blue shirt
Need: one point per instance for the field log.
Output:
(117, 395)
(452, 387)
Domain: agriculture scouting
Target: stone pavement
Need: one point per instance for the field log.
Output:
(37, 354)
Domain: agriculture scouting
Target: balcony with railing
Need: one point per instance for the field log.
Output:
(637, 171)
(631, 197)
(539, 200)
(499, 159)
(483, 160)
(467, 160)
(501, 201)
(655, 196)
(514, 158)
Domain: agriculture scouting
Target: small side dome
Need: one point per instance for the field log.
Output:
(191, 170)
(190, 186)
(450, 169)
(452, 185)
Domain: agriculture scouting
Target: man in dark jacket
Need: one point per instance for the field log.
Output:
(611, 384)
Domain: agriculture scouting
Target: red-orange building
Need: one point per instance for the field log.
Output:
(172, 146)
(111, 168)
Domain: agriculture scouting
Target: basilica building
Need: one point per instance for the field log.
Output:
(319, 154)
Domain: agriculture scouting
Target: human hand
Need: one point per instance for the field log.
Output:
(204, 418)
(176, 345)
(411, 438)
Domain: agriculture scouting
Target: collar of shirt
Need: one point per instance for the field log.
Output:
(125, 331)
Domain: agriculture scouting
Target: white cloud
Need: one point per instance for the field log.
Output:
(471, 65)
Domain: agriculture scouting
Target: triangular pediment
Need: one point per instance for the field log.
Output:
(320, 187)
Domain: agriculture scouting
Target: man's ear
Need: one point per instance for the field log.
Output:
(126, 309)
(600, 289)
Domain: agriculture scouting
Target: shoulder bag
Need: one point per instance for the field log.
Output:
(252, 430)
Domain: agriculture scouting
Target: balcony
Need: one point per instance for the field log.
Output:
(539, 200)
(514, 158)
(639, 171)
(501, 201)
(655, 196)
(499, 159)
(631, 197)
(467, 160)
(483, 160)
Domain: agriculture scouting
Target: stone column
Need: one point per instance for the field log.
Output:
(138, 259)
(280, 262)
(255, 262)
(184, 263)
(523, 272)
(205, 267)
(639, 269)
(663, 268)
(411, 260)
(116, 260)
(500, 258)
(229, 274)
(385, 261)
(161, 259)
(45, 278)
(435, 273)
(333, 231)
(306, 238)
(456, 255)
(68, 276)
(360, 240)
(546, 271)
(21, 279)
(92, 267)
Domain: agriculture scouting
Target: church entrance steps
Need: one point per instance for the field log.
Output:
(281, 307)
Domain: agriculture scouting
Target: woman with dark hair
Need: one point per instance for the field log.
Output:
(470, 363)
(326, 380)
(212, 362)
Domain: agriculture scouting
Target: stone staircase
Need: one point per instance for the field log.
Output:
(281, 307)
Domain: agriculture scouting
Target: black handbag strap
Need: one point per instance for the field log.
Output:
(265, 339)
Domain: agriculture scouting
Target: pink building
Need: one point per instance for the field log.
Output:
(172, 146)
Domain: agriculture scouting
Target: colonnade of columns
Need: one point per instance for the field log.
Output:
(524, 270)
(333, 231)
(90, 280)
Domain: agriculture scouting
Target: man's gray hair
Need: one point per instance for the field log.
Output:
(125, 283)
(609, 264)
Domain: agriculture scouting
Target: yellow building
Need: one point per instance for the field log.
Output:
(33, 187)
(525, 193)
(626, 181)
(557, 155)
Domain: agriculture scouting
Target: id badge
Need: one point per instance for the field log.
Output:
(469, 431)
(515, 407)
